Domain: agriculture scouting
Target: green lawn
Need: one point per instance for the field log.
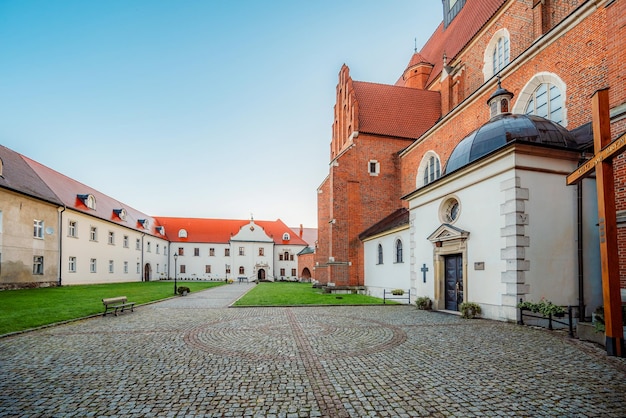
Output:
(286, 293)
(30, 308)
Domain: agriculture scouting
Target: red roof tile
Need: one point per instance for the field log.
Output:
(68, 191)
(391, 110)
(221, 230)
(451, 40)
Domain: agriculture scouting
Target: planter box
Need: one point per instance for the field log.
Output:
(587, 332)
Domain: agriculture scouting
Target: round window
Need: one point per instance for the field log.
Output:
(450, 210)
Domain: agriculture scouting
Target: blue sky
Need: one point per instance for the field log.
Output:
(208, 109)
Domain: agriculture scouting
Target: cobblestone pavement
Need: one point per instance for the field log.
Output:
(191, 356)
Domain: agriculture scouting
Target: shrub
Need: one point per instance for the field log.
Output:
(470, 310)
(183, 289)
(544, 307)
(424, 303)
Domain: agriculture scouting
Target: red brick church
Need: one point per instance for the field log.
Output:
(543, 58)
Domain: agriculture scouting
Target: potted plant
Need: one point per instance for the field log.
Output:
(397, 292)
(183, 290)
(424, 303)
(470, 310)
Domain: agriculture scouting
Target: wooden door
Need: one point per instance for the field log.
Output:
(453, 281)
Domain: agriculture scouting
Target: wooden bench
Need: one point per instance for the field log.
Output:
(116, 304)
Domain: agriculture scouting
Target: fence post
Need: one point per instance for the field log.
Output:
(521, 314)
(571, 325)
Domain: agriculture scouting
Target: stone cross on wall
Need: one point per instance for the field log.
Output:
(424, 269)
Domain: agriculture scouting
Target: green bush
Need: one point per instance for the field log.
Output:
(183, 289)
(423, 303)
(470, 310)
(544, 307)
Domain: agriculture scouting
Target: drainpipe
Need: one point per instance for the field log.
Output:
(581, 284)
(142, 247)
(60, 210)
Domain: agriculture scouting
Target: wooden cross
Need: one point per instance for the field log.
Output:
(602, 163)
(424, 269)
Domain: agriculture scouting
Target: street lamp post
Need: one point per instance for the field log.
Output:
(175, 271)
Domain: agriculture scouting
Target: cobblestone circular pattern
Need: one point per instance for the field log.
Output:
(273, 338)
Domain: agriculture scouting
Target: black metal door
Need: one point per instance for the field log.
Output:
(454, 281)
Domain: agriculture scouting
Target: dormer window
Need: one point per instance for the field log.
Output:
(144, 223)
(1, 166)
(161, 230)
(451, 8)
(88, 200)
(182, 233)
(120, 213)
(286, 237)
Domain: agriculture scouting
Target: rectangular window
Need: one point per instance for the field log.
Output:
(242, 251)
(212, 252)
(183, 268)
(138, 268)
(71, 229)
(227, 269)
(196, 252)
(111, 266)
(125, 241)
(164, 250)
(207, 268)
(290, 257)
(138, 244)
(261, 251)
(111, 238)
(92, 265)
(282, 272)
(72, 265)
(293, 272)
(38, 264)
(93, 234)
(157, 249)
(149, 247)
(158, 268)
(38, 229)
(125, 267)
(280, 257)
(226, 252)
(181, 251)
(373, 168)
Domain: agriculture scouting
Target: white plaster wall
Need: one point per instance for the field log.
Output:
(389, 275)
(286, 264)
(195, 266)
(85, 249)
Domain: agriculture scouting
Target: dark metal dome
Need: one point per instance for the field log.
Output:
(503, 129)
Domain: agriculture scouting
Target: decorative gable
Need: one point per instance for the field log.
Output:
(447, 232)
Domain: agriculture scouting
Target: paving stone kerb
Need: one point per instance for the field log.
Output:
(192, 356)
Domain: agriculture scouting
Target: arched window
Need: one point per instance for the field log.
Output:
(547, 102)
(429, 169)
(399, 251)
(497, 54)
(182, 233)
(380, 254)
(544, 95)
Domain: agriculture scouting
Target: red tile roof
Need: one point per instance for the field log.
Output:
(68, 190)
(221, 230)
(391, 110)
(451, 40)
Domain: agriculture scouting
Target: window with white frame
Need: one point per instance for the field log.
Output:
(293, 272)
(111, 266)
(93, 233)
(497, 53)
(138, 244)
(71, 229)
(429, 169)
(399, 258)
(286, 236)
(38, 264)
(126, 267)
(211, 252)
(380, 254)
(226, 252)
(91, 202)
(149, 247)
(242, 270)
(138, 268)
(38, 228)
(157, 248)
(261, 251)
(196, 252)
(282, 272)
(182, 233)
(373, 167)
(544, 95)
(111, 238)
(92, 265)
(72, 265)
(242, 251)
(207, 269)
(125, 241)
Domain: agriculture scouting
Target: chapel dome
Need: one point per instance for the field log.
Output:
(503, 129)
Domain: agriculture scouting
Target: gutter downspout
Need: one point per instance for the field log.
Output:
(581, 284)
(142, 249)
(60, 210)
